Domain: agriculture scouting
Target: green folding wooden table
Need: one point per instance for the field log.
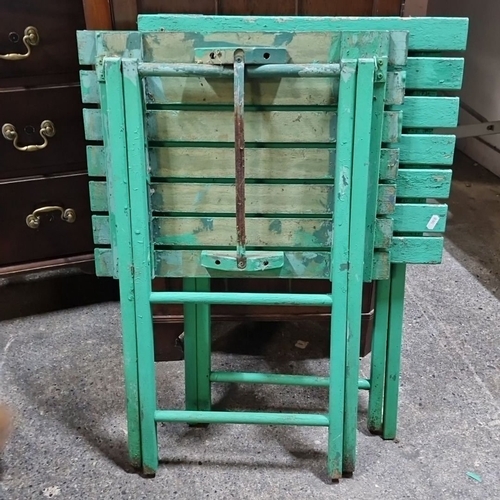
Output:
(260, 147)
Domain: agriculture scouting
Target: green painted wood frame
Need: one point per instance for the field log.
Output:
(408, 218)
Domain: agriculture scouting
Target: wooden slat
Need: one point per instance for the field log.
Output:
(395, 87)
(421, 149)
(302, 199)
(89, 87)
(87, 53)
(260, 163)
(410, 217)
(417, 250)
(218, 126)
(419, 218)
(414, 149)
(423, 183)
(96, 161)
(429, 112)
(383, 233)
(302, 47)
(426, 34)
(434, 73)
(301, 265)
(219, 232)
(285, 91)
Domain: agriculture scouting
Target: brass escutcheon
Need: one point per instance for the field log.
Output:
(67, 215)
(30, 39)
(47, 130)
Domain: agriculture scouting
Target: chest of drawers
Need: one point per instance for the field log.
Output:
(42, 150)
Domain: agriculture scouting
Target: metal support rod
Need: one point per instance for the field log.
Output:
(239, 156)
(242, 298)
(241, 417)
(277, 379)
(264, 71)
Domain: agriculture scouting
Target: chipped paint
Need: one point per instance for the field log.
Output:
(275, 226)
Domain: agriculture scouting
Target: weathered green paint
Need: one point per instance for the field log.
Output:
(260, 126)
(378, 360)
(142, 260)
(414, 149)
(217, 55)
(340, 264)
(120, 237)
(315, 43)
(419, 218)
(426, 34)
(257, 261)
(175, 91)
(394, 342)
(176, 263)
(423, 183)
(382, 235)
(363, 128)
(213, 199)
(284, 233)
(260, 72)
(220, 232)
(241, 417)
(190, 348)
(197, 348)
(242, 298)
(429, 112)
(434, 73)
(261, 163)
(376, 168)
(203, 348)
(319, 185)
(299, 265)
(277, 379)
(89, 87)
(417, 250)
(417, 112)
(423, 149)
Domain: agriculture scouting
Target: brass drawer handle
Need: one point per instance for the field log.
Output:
(47, 130)
(30, 39)
(33, 220)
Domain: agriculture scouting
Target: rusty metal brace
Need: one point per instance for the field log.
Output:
(239, 152)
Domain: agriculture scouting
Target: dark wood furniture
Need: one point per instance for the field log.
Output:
(35, 87)
(44, 86)
(123, 13)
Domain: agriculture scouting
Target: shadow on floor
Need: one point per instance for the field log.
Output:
(473, 227)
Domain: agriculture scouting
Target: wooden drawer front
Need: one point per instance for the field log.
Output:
(56, 52)
(54, 237)
(26, 110)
